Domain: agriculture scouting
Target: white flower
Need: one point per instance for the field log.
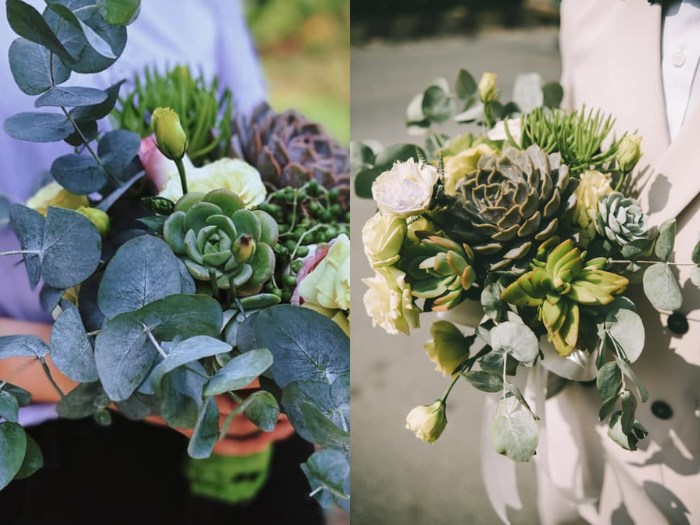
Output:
(382, 237)
(389, 303)
(406, 189)
(328, 285)
(427, 422)
(499, 130)
(230, 174)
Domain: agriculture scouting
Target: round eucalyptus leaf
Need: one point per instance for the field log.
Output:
(328, 472)
(22, 346)
(553, 94)
(661, 287)
(28, 23)
(9, 407)
(398, 152)
(263, 410)
(28, 225)
(38, 127)
(98, 111)
(30, 64)
(23, 397)
(119, 12)
(239, 372)
(206, 431)
(143, 270)
(33, 459)
(181, 395)
(609, 380)
(182, 316)
(323, 431)
(70, 97)
(465, 86)
(627, 329)
(81, 401)
(517, 340)
(13, 445)
(79, 174)
(118, 148)
(514, 431)
(437, 104)
(71, 248)
(95, 41)
(666, 240)
(71, 349)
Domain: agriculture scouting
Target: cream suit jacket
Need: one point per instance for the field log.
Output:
(611, 55)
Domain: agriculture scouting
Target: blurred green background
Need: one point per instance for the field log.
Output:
(304, 47)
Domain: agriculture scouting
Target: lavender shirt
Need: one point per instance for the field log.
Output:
(208, 35)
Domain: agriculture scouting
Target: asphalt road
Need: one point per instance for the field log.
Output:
(397, 479)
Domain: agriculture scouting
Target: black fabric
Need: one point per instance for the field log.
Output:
(132, 473)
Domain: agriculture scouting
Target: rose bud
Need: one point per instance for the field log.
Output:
(427, 422)
(487, 88)
(629, 152)
(170, 137)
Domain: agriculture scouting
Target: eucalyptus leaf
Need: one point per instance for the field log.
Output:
(119, 12)
(27, 22)
(33, 459)
(143, 270)
(328, 472)
(239, 372)
(514, 431)
(627, 370)
(466, 85)
(491, 301)
(437, 104)
(695, 276)
(629, 407)
(398, 153)
(22, 346)
(71, 348)
(96, 42)
(49, 297)
(627, 329)
(13, 445)
(324, 432)
(79, 174)
(305, 344)
(263, 410)
(9, 407)
(181, 395)
(70, 96)
(98, 111)
(606, 407)
(182, 316)
(28, 225)
(138, 406)
(695, 257)
(615, 432)
(118, 148)
(38, 127)
(4, 212)
(31, 65)
(106, 203)
(609, 380)
(364, 181)
(206, 431)
(553, 94)
(484, 381)
(666, 240)
(516, 339)
(80, 402)
(23, 397)
(661, 287)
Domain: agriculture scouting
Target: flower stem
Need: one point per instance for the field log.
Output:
(443, 399)
(183, 177)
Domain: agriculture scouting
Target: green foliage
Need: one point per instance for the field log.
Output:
(661, 287)
(514, 431)
(328, 472)
(71, 348)
(13, 446)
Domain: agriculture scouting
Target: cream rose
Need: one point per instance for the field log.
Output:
(406, 189)
(457, 166)
(328, 285)
(53, 194)
(427, 422)
(592, 186)
(389, 302)
(382, 237)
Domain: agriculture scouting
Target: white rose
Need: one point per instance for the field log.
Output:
(406, 189)
(389, 302)
(382, 237)
(230, 174)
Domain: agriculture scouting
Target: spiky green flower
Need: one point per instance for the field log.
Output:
(222, 243)
(560, 282)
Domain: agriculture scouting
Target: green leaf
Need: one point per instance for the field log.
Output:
(262, 409)
(143, 270)
(27, 22)
(323, 430)
(514, 431)
(13, 445)
(185, 352)
(98, 111)
(553, 94)
(9, 407)
(616, 433)
(606, 407)
(33, 459)
(96, 42)
(28, 225)
(31, 64)
(364, 180)
(183, 316)
(627, 329)
(118, 148)
(23, 397)
(79, 174)
(517, 340)
(206, 431)
(71, 349)
(666, 240)
(328, 472)
(71, 248)
(437, 104)
(38, 127)
(80, 402)
(70, 97)
(609, 380)
(661, 287)
(695, 257)
(106, 203)
(181, 395)
(695, 276)
(484, 381)
(305, 344)
(239, 372)
(398, 153)
(627, 370)
(22, 346)
(465, 86)
(629, 407)
(361, 157)
(491, 301)
(138, 406)
(119, 12)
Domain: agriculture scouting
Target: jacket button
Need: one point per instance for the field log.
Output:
(662, 410)
(677, 323)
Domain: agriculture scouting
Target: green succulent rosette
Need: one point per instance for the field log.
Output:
(509, 205)
(222, 243)
(439, 270)
(621, 220)
(560, 282)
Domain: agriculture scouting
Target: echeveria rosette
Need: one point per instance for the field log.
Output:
(219, 240)
(509, 205)
(621, 220)
(439, 270)
(559, 285)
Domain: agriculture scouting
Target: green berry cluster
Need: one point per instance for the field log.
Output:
(310, 214)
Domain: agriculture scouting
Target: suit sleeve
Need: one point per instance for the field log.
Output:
(566, 34)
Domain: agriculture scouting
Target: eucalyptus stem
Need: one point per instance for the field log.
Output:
(183, 176)
(154, 341)
(624, 261)
(47, 371)
(20, 252)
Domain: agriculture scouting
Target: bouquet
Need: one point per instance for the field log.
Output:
(188, 255)
(528, 226)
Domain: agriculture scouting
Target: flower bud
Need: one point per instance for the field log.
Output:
(629, 152)
(487, 88)
(54, 195)
(427, 422)
(448, 348)
(170, 137)
(383, 236)
(97, 217)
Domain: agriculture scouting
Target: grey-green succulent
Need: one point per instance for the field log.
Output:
(621, 219)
